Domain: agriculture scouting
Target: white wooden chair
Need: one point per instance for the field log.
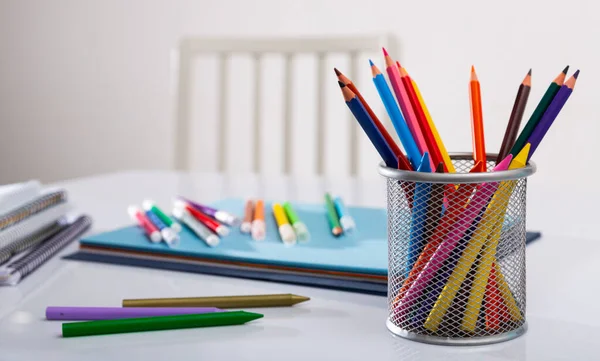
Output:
(192, 47)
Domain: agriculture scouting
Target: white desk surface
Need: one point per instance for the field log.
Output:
(561, 304)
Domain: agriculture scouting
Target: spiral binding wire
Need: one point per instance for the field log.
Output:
(29, 241)
(31, 208)
(36, 258)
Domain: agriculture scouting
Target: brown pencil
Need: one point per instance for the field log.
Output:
(403, 162)
(514, 122)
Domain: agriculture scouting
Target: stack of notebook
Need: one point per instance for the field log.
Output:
(34, 225)
(355, 262)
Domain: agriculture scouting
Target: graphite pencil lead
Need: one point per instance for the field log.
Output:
(342, 85)
(565, 70)
(529, 72)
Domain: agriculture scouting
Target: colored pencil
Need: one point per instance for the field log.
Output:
(113, 313)
(516, 116)
(286, 232)
(551, 113)
(418, 218)
(477, 120)
(104, 327)
(406, 137)
(492, 302)
(403, 162)
(434, 151)
(436, 204)
(479, 201)
(456, 205)
(466, 260)
(537, 114)
(244, 301)
(332, 216)
(449, 166)
(369, 127)
(404, 102)
(490, 236)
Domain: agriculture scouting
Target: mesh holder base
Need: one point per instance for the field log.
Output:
(456, 254)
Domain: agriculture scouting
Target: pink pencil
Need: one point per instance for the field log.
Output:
(405, 105)
(477, 203)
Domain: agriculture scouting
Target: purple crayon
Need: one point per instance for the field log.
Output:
(113, 313)
(551, 113)
(221, 216)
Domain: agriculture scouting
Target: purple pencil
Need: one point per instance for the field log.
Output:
(113, 313)
(551, 113)
(221, 216)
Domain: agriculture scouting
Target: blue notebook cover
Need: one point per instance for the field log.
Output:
(363, 251)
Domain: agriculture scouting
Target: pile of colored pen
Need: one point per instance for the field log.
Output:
(207, 223)
(140, 315)
(291, 228)
(450, 212)
(339, 219)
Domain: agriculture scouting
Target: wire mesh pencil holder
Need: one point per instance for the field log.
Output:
(456, 262)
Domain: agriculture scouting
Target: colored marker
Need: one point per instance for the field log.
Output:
(149, 205)
(213, 225)
(286, 232)
(346, 219)
(168, 234)
(202, 231)
(151, 230)
(332, 216)
(301, 230)
(221, 216)
(258, 223)
(246, 226)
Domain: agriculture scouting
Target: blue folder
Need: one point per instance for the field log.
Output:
(354, 262)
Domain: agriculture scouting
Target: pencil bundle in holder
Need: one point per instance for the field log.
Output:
(456, 222)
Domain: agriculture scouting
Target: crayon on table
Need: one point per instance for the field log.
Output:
(346, 219)
(301, 230)
(465, 262)
(332, 216)
(104, 327)
(149, 205)
(479, 201)
(113, 313)
(418, 218)
(248, 301)
(398, 121)
(537, 114)
(286, 232)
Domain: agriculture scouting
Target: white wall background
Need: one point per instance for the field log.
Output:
(85, 86)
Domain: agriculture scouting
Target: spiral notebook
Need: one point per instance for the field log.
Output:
(355, 262)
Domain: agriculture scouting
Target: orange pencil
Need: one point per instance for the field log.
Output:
(403, 162)
(432, 145)
(477, 120)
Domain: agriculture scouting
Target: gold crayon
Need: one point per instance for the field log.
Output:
(275, 300)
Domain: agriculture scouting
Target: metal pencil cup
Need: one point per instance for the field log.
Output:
(456, 267)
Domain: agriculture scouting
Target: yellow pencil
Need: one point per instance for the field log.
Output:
(436, 135)
(286, 232)
(498, 209)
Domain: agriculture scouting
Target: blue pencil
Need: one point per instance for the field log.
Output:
(367, 124)
(419, 214)
(408, 142)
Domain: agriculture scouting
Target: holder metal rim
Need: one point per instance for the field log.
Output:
(449, 341)
(453, 178)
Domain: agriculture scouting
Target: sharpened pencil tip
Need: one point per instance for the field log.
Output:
(576, 74)
(342, 85)
(472, 68)
(565, 70)
(529, 72)
(337, 72)
(371, 62)
(385, 53)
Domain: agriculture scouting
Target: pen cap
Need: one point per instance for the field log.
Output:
(456, 241)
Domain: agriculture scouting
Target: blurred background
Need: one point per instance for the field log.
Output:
(88, 87)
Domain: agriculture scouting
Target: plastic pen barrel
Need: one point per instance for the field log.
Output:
(301, 230)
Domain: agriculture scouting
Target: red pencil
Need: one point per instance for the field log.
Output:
(434, 150)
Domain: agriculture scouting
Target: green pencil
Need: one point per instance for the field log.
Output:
(536, 116)
(104, 327)
(334, 221)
